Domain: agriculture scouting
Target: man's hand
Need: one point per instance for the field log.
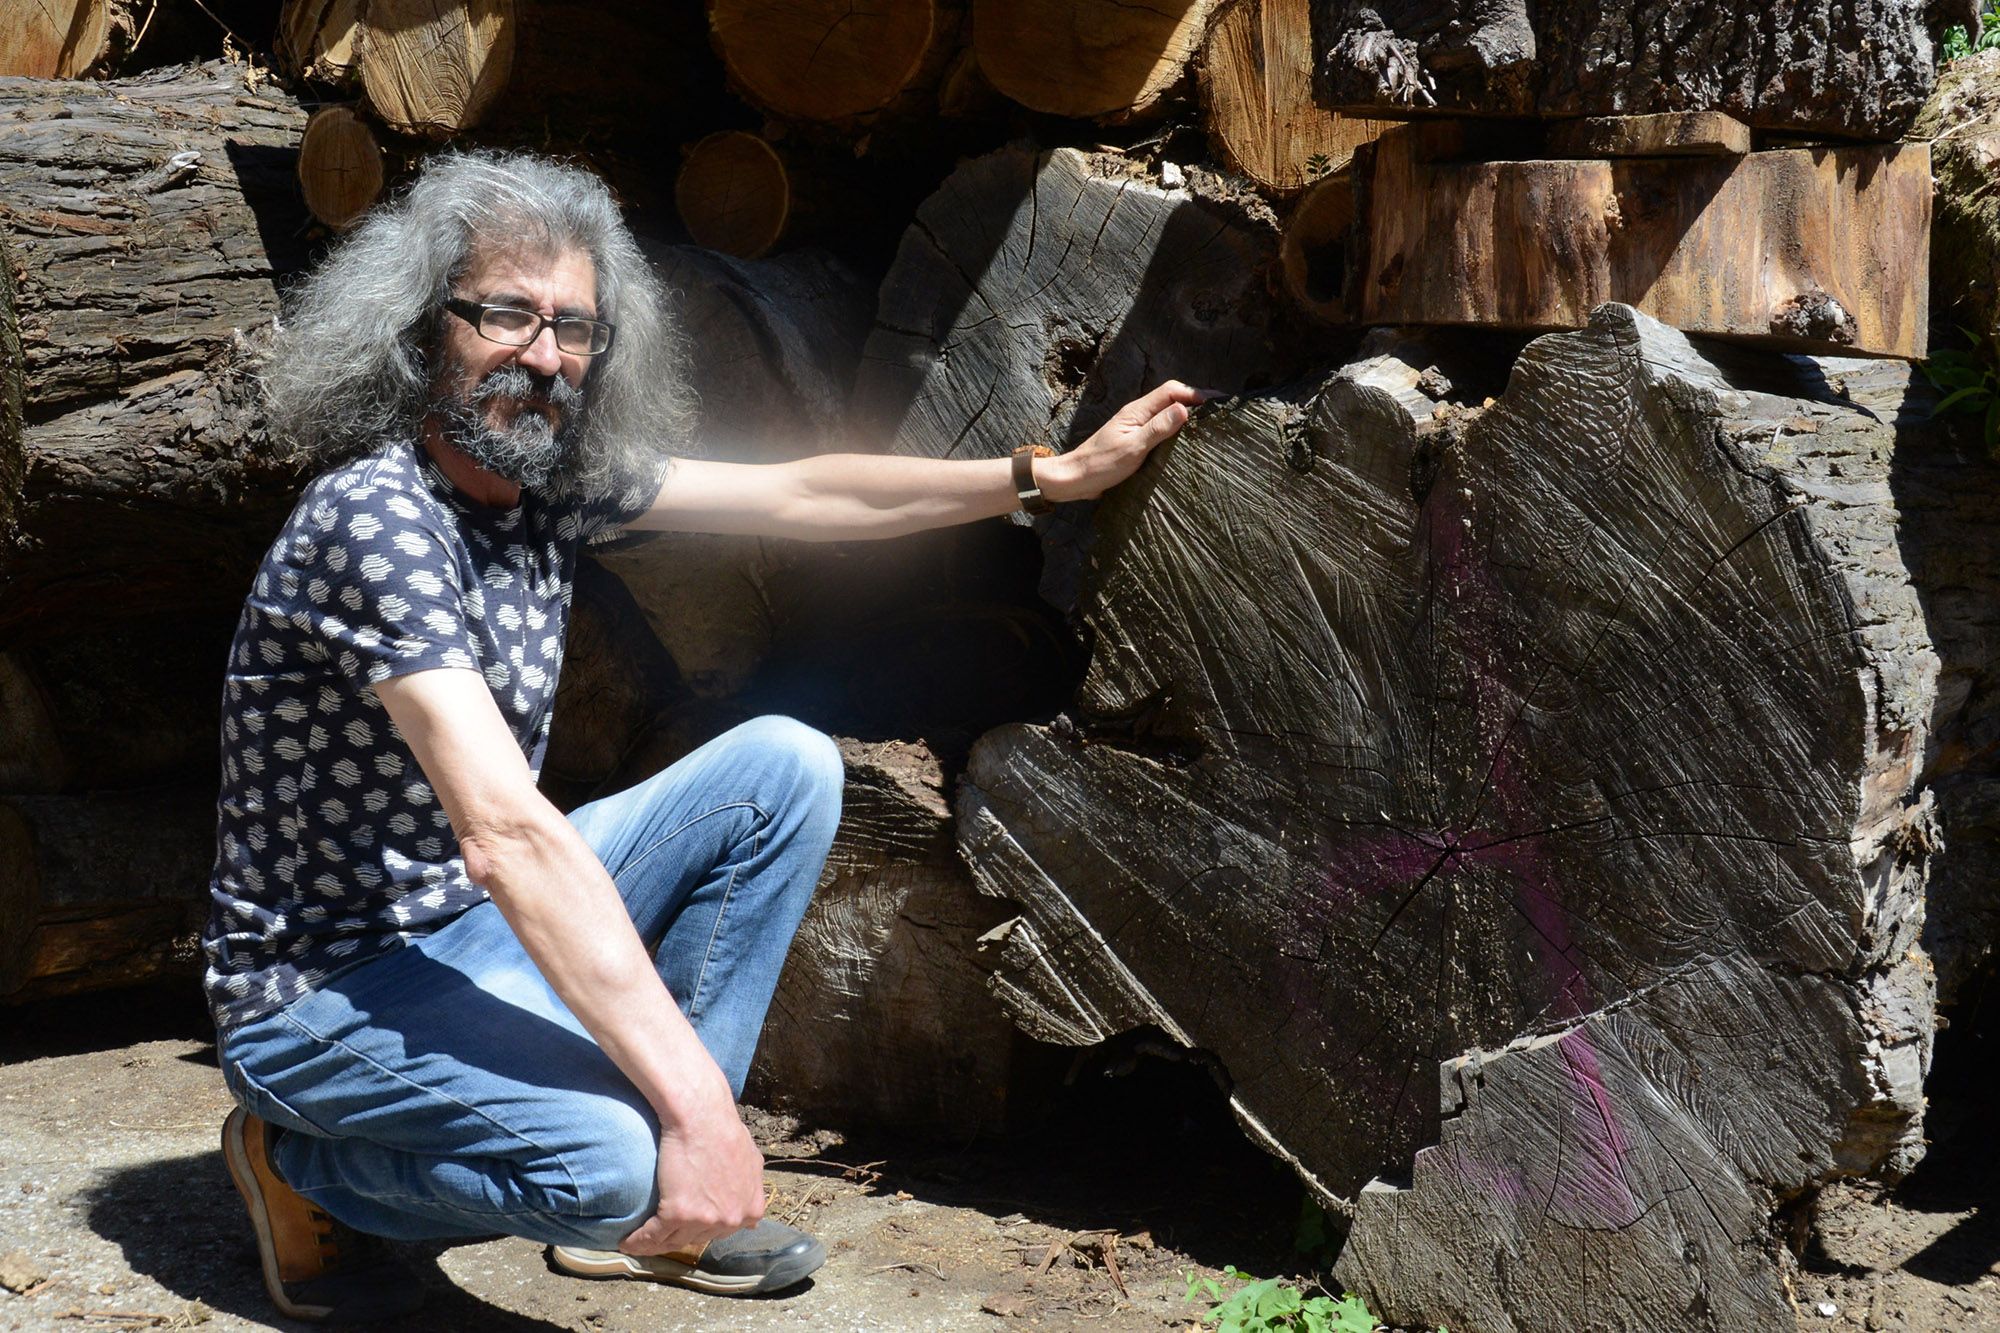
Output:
(711, 1181)
(1117, 448)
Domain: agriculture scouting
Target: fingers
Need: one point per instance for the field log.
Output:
(1169, 394)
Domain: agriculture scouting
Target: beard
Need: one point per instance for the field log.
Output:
(530, 451)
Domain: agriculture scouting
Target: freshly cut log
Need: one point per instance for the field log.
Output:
(144, 223)
(54, 39)
(1257, 102)
(435, 69)
(1962, 124)
(1858, 69)
(1538, 784)
(102, 890)
(317, 40)
(736, 193)
(829, 61)
(882, 1017)
(1667, 134)
(341, 172)
(1317, 248)
(1822, 249)
(1098, 59)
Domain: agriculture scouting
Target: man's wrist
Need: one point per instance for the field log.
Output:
(1059, 478)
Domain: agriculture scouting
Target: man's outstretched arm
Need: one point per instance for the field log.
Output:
(562, 904)
(840, 497)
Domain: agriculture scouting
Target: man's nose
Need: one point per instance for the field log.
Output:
(541, 354)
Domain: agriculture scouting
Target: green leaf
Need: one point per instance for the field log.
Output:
(1957, 396)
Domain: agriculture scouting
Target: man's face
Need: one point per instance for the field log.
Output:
(516, 410)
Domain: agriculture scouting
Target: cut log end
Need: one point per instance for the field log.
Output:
(827, 60)
(1100, 59)
(340, 166)
(734, 194)
(1257, 100)
(435, 69)
(53, 39)
(316, 40)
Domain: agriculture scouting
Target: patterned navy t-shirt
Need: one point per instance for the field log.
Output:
(331, 849)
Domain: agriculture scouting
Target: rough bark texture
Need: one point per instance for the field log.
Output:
(1822, 249)
(1962, 123)
(1860, 69)
(1257, 102)
(882, 1016)
(144, 224)
(1104, 59)
(1572, 749)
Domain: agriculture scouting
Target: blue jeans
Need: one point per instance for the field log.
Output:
(444, 1090)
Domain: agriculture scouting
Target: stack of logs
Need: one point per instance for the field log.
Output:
(1567, 743)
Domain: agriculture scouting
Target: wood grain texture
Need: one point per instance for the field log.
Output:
(1088, 58)
(341, 171)
(1860, 69)
(54, 39)
(829, 61)
(1257, 103)
(434, 69)
(734, 194)
(1664, 134)
(316, 40)
(1473, 728)
(1824, 249)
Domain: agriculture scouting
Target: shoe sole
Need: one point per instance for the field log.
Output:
(599, 1265)
(236, 1154)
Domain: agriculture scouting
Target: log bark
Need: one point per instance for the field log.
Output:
(1819, 249)
(826, 62)
(144, 225)
(1860, 69)
(882, 1017)
(1961, 122)
(341, 168)
(1565, 752)
(1094, 59)
(1257, 103)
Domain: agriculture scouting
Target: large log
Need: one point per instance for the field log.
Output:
(144, 224)
(1821, 249)
(1102, 59)
(1859, 69)
(1540, 787)
(435, 69)
(1038, 292)
(882, 1016)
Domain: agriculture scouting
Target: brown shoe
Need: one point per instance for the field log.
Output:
(315, 1267)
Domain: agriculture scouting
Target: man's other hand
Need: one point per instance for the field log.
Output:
(1117, 448)
(711, 1182)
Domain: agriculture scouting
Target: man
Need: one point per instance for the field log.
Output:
(445, 1008)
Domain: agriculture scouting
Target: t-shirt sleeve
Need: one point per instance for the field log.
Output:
(382, 587)
(625, 497)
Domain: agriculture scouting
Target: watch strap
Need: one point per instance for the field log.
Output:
(1032, 499)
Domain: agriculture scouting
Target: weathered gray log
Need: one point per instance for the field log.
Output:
(882, 1016)
(1570, 749)
(1962, 123)
(144, 224)
(1037, 293)
(1860, 69)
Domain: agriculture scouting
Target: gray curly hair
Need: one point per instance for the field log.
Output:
(350, 364)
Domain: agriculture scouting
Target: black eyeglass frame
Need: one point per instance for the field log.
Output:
(474, 313)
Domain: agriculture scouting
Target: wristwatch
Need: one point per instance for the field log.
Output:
(1032, 499)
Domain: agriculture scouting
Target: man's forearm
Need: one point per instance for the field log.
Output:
(569, 917)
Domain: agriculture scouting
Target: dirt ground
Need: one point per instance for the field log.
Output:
(112, 1189)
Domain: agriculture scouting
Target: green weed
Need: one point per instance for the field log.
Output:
(1273, 1306)
(1971, 383)
(1958, 42)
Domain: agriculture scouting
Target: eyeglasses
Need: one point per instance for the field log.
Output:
(515, 327)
